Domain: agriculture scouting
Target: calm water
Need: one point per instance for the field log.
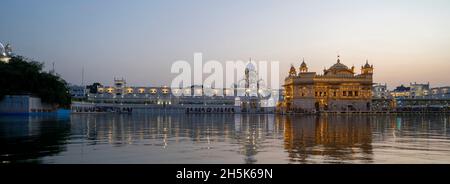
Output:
(107, 138)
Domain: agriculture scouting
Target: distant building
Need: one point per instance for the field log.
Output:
(245, 97)
(339, 89)
(401, 92)
(415, 90)
(419, 90)
(380, 91)
(440, 92)
(77, 92)
(421, 98)
(382, 100)
(121, 93)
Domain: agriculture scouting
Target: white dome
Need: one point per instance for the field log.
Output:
(250, 67)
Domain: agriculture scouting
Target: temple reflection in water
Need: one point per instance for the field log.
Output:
(225, 138)
(305, 137)
(337, 138)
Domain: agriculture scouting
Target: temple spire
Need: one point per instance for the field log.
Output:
(292, 71)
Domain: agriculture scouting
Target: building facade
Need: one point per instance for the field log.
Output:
(245, 97)
(77, 92)
(440, 92)
(414, 98)
(338, 89)
(24, 104)
(380, 91)
(419, 90)
(414, 90)
(401, 92)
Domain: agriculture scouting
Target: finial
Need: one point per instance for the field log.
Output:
(338, 58)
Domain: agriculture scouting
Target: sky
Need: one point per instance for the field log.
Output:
(406, 40)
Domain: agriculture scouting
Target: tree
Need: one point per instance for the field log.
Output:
(94, 87)
(23, 76)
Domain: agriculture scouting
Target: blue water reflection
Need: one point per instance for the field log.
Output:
(125, 138)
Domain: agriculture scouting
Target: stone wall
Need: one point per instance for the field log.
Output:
(12, 104)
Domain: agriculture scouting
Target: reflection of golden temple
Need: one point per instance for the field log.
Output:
(338, 89)
(335, 138)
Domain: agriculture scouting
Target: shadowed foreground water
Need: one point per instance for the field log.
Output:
(108, 138)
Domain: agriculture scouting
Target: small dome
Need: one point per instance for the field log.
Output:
(367, 64)
(292, 67)
(250, 67)
(303, 63)
(338, 66)
(292, 71)
(303, 67)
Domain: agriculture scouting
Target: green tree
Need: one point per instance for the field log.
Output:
(23, 76)
(94, 87)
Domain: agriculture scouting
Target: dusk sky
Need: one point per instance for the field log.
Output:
(406, 41)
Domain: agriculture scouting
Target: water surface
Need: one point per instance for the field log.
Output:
(124, 138)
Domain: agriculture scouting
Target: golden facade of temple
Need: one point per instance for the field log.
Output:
(338, 89)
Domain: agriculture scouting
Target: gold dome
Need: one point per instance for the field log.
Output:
(303, 64)
(292, 71)
(303, 67)
(338, 68)
(367, 64)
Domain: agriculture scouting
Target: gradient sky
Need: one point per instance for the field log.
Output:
(406, 41)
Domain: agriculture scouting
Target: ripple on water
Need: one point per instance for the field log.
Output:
(91, 138)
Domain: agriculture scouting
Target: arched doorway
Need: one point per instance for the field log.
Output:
(317, 105)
